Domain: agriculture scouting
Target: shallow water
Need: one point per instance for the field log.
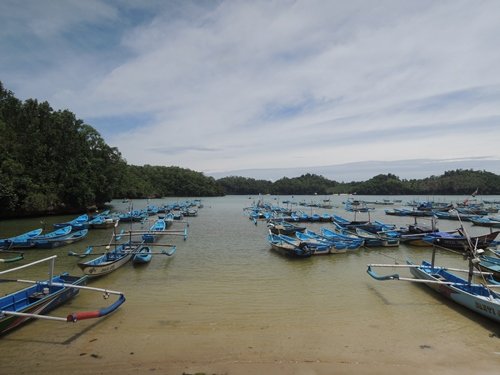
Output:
(225, 303)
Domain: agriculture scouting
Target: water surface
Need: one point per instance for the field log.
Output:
(225, 303)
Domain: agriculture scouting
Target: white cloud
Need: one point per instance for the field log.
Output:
(241, 85)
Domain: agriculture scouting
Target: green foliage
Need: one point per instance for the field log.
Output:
(52, 162)
(461, 182)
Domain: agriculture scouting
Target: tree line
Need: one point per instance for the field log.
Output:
(458, 182)
(52, 162)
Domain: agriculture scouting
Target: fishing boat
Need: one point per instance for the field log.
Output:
(459, 241)
(154, 231)
(42, 297)
(486, 221)
(490, 264)
(53, 242)
(332, 235)
(338, 245)
(61, 232)
(103, 222)
(110, 260)
(331, 247)
(79, 223)
(289, 249)
(142, 256)
(284, 227)
(317, 247)
(454, 215)
(476, 296)
(20, 241)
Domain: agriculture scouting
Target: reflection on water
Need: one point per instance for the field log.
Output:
(225, 297)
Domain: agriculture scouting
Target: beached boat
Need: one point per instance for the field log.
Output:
(478, 297)
(41, 297)
(58, 241)
(20, 241)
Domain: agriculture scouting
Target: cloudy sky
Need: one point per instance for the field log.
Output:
(219, 86)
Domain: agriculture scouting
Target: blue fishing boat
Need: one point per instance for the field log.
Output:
(332, 235)
(103, 222)
(42, 297)
(485, 221)
(20, 241)
(287, 248)
(338, 245)
(110, 260)
(61, 232)
(155, 231)
(143, 255)
(79, 223)
(476, 296)
(53, 242)
(490, 264)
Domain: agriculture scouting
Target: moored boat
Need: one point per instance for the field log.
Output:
(42, 297)
(154, 231)
(142, 256)
(21, 240)
(79, 223)
(287, 248)
(110, 260)
(58, 241)
(459, 241)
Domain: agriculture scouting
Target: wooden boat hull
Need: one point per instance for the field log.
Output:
(290, 251)
(33, 300)
(461, 243)
(474, 297)
(143, 256)
(51, 243)
(105, 264)
(490, 264)
(21, 241)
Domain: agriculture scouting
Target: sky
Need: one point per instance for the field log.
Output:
(269, 88)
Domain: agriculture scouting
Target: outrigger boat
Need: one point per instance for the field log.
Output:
(42, 297)
(20, 241)
(155, 231)
(476, 296)
(58, 241)
(109, 261)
